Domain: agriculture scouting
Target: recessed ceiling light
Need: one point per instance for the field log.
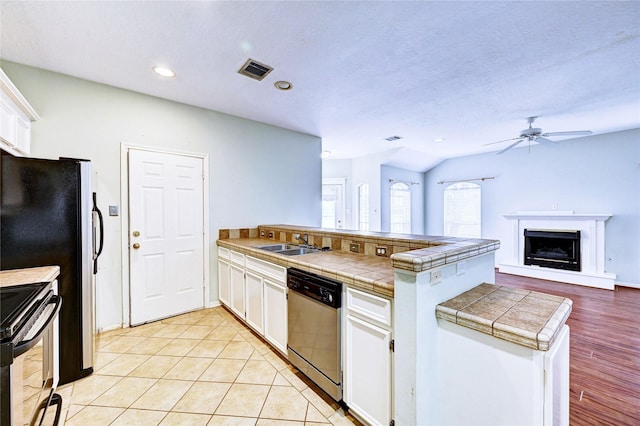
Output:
(438, 140)
(325, 154)
(283, 85)
(163, 71)
(393, 138)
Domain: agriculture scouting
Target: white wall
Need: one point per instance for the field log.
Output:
(371, 170)
(250, 163)
(367, 170)
(595, 174)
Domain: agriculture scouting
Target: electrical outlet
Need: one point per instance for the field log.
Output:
(381, 251)
(270, 234)
(262, 233)
(436, 276)
(354, 247)
(461, 268)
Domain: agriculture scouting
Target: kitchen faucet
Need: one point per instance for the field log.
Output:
(304, 239)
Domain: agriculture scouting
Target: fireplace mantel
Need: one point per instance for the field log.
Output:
(592, 241)
(557, 215)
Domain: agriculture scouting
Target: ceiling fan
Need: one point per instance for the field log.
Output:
(534, 134)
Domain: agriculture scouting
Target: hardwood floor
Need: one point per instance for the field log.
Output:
(605, 350)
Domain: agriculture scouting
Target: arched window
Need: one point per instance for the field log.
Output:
(462, 210)
(400, 201)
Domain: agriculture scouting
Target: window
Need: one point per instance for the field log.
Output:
(400, 208)
(363, 207)
(462, 210)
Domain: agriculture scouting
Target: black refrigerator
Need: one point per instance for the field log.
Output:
(49, 217)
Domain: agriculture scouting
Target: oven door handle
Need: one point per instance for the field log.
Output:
(24, 346)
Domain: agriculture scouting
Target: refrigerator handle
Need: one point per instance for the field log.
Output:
(101, 225)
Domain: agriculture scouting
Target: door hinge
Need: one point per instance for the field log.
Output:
(392, 346)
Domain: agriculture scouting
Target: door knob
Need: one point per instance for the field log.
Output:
(136, 233)
(136, 246)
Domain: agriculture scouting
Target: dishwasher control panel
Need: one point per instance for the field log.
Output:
(324, 290)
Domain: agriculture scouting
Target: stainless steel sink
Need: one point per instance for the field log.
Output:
(276, 247)
(297, 251)
(288, 249)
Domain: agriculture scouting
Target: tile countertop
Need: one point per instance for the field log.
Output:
(369, 272)
(527, 318)
(372, 273)
(40, 274)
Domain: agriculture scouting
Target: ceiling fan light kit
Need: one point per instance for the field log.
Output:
(534, 134)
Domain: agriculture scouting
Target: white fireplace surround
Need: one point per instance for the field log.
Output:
(592, 257)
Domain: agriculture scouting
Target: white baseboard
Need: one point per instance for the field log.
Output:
(630, 285)
(109, 328)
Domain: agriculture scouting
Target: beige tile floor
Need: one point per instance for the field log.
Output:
(200, 368)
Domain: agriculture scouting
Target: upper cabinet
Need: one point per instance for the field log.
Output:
(16, 116)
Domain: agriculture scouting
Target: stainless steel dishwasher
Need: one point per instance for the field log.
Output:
(314, 304)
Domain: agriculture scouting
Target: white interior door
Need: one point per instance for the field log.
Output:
(165, 234)
(333, 205)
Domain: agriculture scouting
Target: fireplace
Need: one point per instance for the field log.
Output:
(552, 249)
(592, 271)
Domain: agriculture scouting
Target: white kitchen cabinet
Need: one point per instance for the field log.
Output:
(237, 284)
(501, 383)
(16, 115)
(267, 300)
(275, 314)
(256, 292)
(224, 290)
(254, 288)
(367, 369)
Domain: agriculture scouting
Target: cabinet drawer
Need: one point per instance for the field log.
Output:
(236, 257)
(223, 253)
(369, 306)
(268, 269)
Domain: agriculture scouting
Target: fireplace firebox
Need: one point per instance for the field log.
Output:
(552, 249)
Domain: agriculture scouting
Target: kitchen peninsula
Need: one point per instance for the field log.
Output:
(392, 286)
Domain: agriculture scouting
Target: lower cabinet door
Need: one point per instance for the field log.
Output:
(253, 293)
(367, 371)
(275, 314)
(236, 280)
(223, 282)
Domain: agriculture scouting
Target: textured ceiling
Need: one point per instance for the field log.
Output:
(468, 72)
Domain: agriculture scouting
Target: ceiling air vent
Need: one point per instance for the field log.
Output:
(254, 69)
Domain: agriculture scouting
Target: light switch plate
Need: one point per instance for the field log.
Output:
(436, 276)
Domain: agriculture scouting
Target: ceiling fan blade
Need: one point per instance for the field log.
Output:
(573, 133)
(506, 140)
(545, 141)
(510, 146)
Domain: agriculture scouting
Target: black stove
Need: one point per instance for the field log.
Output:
(20, 308)
(28, 317)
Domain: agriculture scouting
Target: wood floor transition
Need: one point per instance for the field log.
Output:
(604, 350)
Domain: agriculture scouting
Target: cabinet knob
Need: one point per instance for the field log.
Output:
(136, 246)
(136, 233)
